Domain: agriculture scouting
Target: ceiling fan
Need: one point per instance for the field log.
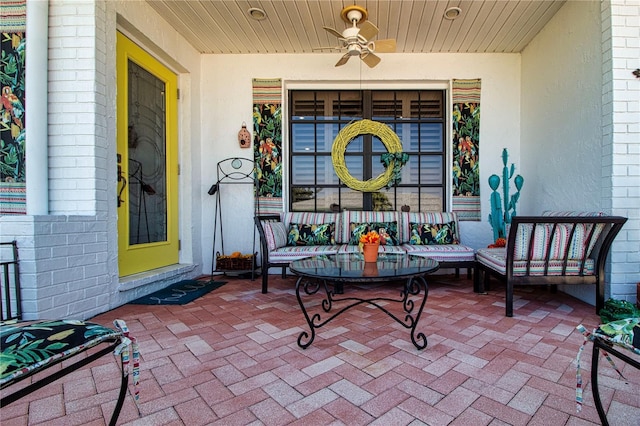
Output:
(357, 40)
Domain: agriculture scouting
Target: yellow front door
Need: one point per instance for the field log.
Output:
(147, 161)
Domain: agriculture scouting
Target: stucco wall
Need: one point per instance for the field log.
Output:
(568, 149)
(227, 100)
(561, 113)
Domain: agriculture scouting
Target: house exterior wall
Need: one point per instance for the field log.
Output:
(621, 133)
(575, 158)
(227, 100)
(69, 257)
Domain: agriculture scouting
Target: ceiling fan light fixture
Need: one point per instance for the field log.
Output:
(257, 14)
(452, 13)
(351, 12)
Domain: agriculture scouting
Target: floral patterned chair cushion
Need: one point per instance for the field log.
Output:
(30, 346)
(624, 333)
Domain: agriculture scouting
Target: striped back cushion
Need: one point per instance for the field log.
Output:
(268, 205)
(349, 217)
(307, 218)
(426, 217)
(275, 234)
(586, 228)
(571, 213)
(560, 243)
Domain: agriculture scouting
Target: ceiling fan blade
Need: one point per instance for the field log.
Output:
(370, 59)
(368, 30)
(385, 46)
(343, 60)
(334, 32)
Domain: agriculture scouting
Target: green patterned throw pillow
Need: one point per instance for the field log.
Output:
(315, 234)
(433, 233)
(388, 232)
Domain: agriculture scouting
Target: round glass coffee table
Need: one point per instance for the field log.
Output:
(328, 275)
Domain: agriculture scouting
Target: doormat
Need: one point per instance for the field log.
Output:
(179, 293)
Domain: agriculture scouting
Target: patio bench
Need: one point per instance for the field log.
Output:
(296, 235)
(566, 249)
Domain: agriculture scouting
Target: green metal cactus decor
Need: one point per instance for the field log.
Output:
(499, 217)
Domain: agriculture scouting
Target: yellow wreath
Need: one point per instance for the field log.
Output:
(346, 135)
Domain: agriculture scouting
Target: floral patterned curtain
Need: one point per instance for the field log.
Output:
(267, 143)
(12, 108)
(466, 141)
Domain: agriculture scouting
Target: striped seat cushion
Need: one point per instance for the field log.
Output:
(496, 259)
(289, 254)
(442, 252)
(407, 218)
(351, 248)
(318, 261)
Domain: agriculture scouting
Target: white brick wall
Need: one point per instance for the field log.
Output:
(63, 264)
(68, 260)
(621, 128)
(75, 155)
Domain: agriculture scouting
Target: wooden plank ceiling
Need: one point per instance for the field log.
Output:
(296, 26)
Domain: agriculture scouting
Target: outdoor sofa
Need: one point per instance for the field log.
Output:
(296, 235)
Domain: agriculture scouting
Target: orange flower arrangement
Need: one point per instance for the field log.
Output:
(500, 242)
(371, 237)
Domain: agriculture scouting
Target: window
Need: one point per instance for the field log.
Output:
(317, 116)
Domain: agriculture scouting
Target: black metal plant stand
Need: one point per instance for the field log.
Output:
(231, 171)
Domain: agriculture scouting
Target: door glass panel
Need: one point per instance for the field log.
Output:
(147, 157)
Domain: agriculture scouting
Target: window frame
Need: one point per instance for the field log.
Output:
(369, 147)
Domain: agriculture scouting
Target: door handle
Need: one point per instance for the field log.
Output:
(123, 181)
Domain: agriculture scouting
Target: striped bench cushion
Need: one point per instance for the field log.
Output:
(442, 252)
(289, 254)
(352, 248)
(495, 258)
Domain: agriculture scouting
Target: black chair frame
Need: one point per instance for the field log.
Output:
(265, 263)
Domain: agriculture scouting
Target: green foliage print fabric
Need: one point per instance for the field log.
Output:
(30, 346)
(466, 131)
(388, 232)
(267, 139)
(320, 234)
(625, 332)
(433, 233)
(12, 108)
